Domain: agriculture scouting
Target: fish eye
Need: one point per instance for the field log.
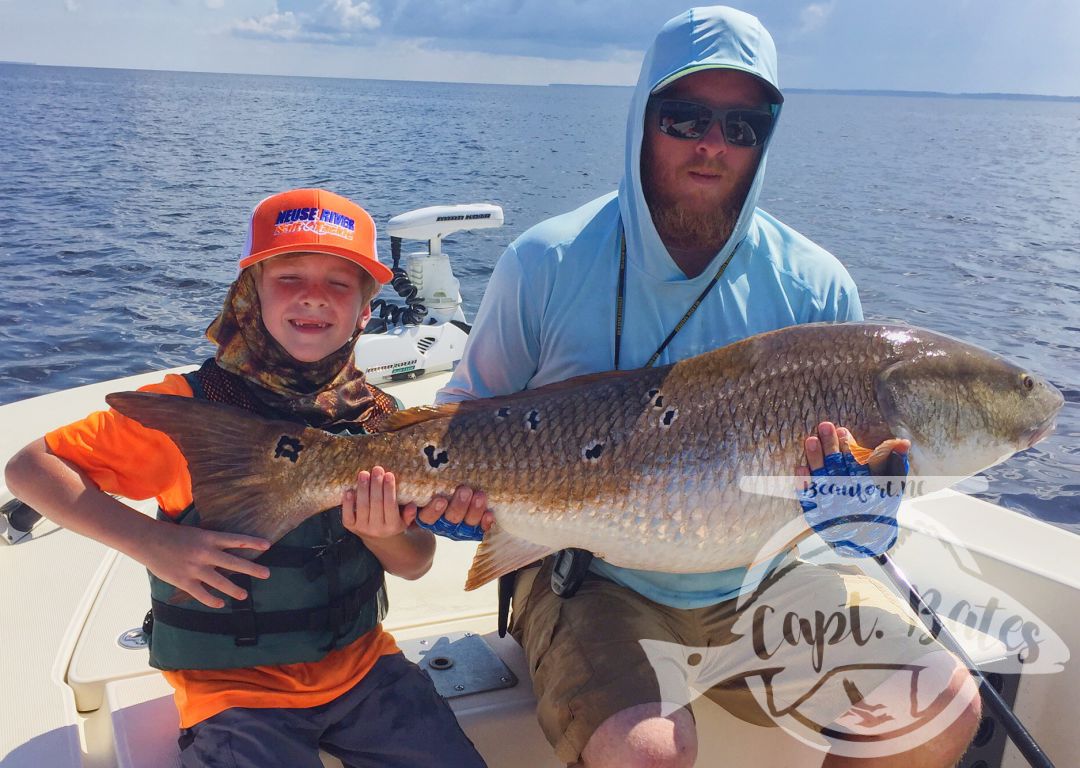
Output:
(1027, 382)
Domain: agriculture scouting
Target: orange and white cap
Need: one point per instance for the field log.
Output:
(313, 221)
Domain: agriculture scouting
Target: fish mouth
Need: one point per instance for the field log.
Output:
(1040, 433)
(1054, 402)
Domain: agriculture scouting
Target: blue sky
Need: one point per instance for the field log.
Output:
(941, 45)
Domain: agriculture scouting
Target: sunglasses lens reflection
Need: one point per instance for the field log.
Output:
(689, 120)
(746, 129)
(684, 119)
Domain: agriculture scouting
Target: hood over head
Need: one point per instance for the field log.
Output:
(714, 37)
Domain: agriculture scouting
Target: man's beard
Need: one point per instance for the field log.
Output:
(693, 229)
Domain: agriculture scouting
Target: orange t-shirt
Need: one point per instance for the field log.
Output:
(125, 458)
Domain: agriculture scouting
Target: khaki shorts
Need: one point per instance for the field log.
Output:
(758, 658)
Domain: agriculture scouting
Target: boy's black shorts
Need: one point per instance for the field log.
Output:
(393, 718)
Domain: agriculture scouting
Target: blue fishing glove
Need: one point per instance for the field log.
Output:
(850, 510)
(457, 532)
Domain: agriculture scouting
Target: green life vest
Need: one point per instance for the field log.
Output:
(325, 590)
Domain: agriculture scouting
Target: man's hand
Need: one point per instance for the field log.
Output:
(464, 517)
(194, 560)
(842, 501)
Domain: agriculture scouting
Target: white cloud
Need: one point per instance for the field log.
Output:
(214, 4)
(814, 16)
(352, 15)
(331, 21)
(276, 26)
(71, 5)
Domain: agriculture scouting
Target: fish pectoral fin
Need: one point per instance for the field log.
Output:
(782, 550)
(862, 455)
(871, 455)
(500, 553)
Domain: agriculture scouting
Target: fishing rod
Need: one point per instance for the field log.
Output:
(1020, 736)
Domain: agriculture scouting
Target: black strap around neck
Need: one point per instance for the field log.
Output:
(620, 303)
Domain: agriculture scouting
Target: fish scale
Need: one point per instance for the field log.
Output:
(641, 467)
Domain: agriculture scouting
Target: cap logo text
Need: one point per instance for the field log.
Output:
(320, 221)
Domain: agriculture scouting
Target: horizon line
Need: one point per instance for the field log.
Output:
(789, 89)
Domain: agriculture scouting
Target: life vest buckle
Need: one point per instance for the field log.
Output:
(247, 633)
(247, 629)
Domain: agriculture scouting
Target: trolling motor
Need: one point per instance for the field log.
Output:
(427, 331)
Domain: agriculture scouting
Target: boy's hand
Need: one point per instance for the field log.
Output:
(370, 510)
(194, 559)
(842, 502)
(464, 517)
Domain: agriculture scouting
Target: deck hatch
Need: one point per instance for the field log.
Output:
(459, 663)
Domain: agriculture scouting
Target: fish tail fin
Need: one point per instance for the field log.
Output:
(500, 553)
(245, 469)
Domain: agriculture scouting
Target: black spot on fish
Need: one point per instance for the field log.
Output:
(533, 420)
(669, 417)
(288, 448)
(594, 452)
(502, 413)
(435, 459)
(658, 402)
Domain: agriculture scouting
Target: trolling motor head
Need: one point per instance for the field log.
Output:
(430, 271)
(437, 221)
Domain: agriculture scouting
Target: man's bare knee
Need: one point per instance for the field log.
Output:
(948, 706)
(641, 737)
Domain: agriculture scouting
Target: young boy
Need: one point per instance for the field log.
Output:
(275, 657)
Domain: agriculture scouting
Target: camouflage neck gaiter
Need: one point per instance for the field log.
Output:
(324, 393)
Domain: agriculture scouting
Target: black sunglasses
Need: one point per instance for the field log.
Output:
(690, 120)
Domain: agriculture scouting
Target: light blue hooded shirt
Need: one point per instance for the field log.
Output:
(549, 309)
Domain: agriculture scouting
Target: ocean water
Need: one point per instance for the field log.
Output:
(125, 194)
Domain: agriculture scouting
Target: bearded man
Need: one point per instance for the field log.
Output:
(678, 262)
